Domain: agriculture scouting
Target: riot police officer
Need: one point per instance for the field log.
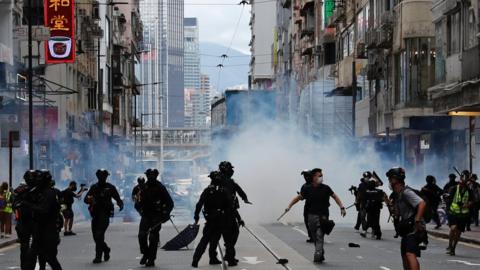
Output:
(217, 206)
(360, 200)
(24, 218)
(155, 206)
(99, 198)
(45, 207)
(373, 204)
(232, 230)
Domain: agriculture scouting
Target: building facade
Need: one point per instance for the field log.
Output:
(163, 66)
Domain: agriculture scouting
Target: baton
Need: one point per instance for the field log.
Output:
(281, 216)
(350, 206)
(224, 265)
(458, 172)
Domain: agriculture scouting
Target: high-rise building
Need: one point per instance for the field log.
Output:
(192, 54)
(162, 68)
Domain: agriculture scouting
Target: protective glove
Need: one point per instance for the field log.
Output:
(241, 223)
(120, 205)
(196, 220)
(247, 202)
(343, 212)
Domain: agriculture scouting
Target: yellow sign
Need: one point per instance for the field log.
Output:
(58, 3)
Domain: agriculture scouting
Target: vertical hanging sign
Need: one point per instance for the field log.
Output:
(60, 19)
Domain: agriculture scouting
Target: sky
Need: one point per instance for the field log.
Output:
(217, 21)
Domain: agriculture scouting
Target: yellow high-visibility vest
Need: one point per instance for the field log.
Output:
(458, 200)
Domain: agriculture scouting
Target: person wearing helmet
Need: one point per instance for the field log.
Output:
(410, 210)
(46, 210)
(433, 194)
(360, 201)
(24, 218)
(318, 197)
(230, 235)
(137, 193)
(459, 203)
(373, 204)
(452, 182)
(217, 206)
(155, 206)
(99, 198)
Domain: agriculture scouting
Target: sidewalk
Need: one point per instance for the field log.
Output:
(4, 242)
(472, 237)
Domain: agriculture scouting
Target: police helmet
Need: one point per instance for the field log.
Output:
(102, 173)
(367, 175)
(225, 165)
(452, 176)
(152, 173)
(397, 173)
(465, 174)
(430, 179)
(141, 180)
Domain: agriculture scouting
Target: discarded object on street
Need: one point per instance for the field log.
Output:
(184, 238)
(353, 245)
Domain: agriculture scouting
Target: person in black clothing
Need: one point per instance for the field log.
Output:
(318, 197)
(45, 207)
(155, 206)
(452, 182)
(433, 194)
(217, 206)
(99, 198)
(359, 200)
(232, 231)
(373, 204)
(307, 175)
(136, 193)
(68, 198)
(24, 218)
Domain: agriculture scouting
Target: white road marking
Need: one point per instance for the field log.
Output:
(296, 228)
(342, 249)
(251, 260)
(360, 257)
(138, 258)
(384, 268)
(465, 262)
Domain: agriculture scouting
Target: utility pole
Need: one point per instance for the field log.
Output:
(30, 86)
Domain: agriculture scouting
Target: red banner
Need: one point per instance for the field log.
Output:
(60, 18)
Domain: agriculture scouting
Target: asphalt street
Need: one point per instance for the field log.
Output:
(284, 240)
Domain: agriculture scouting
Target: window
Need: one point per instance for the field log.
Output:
(453, 34)
(416, 70)
(470, 28)
(440, 53)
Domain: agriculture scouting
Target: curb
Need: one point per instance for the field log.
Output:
(8, 243)
(462, 239)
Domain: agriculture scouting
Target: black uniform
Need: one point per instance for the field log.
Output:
(46, 209)
(24, 226)
(360, 205)
(232, 230)
(155, 207)
(373, 205)
(433, 194)
(217, 209)
(99, 197)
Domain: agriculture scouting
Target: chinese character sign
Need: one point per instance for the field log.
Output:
(60, 18)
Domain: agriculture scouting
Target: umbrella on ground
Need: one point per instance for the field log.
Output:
(184, 238)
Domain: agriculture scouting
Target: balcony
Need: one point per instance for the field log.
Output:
(385, 37)
(414, 20)
(338, 15)
(371, 38)
(471, 64)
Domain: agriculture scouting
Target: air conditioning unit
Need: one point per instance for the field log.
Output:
(82, 12)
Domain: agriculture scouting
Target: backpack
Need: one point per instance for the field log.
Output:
(214, 208)
(427, 216)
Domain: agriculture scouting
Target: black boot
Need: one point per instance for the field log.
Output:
(150, 263)
(215, 261)
(144, 259)
(98, 258)
(106, 254)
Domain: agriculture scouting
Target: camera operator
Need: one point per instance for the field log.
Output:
(69, 196)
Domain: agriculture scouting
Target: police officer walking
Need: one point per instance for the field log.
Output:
(46, 210)
(155, 206)
(232, 231)
(459, 203)
(374, 199)
(24, 218)
(410, 209)
(433, 194)
(318, 196)
(360, 200)
(99, 198)
(217, 207)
